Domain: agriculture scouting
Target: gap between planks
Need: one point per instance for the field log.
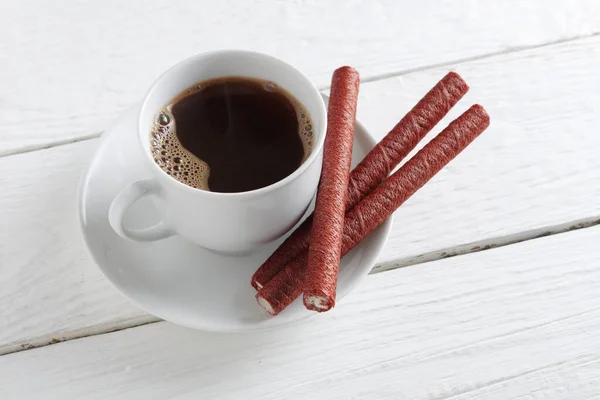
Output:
(487, 244)
(410, 261)
(366, 79)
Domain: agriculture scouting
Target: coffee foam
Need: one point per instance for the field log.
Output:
(178, 162)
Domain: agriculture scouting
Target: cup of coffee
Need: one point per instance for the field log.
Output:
(233, 141)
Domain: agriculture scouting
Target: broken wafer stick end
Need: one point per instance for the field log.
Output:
(318, 303)
(266, 305)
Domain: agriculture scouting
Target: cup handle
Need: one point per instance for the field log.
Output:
(124, 200)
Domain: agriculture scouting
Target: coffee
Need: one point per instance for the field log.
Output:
(232, 134)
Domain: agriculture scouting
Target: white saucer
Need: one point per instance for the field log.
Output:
(177, 280)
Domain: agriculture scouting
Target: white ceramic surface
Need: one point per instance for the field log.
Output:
(224, 222)
(173, 278)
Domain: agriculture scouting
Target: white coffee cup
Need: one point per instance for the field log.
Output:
(224, 222)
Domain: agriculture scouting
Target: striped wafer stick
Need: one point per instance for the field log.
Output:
(382, 202)
(376, 165)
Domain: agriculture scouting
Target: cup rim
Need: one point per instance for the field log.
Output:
(317, 146)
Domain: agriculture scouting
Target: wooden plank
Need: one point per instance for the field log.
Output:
(49, 285)
(536, 166)
(533, 172)
(69, 68)
(522, 321)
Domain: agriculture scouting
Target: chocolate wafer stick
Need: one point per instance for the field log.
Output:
(325, 249)
(376, 165)
(382, 202)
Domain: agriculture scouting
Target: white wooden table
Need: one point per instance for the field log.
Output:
(488, 287)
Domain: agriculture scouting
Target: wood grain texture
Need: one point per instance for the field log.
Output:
(70, 67)
(50, 288)
(536, 168)
(519, 322)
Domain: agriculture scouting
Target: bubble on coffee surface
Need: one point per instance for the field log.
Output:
(305, 130)
(178, 162)
(172, 157)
